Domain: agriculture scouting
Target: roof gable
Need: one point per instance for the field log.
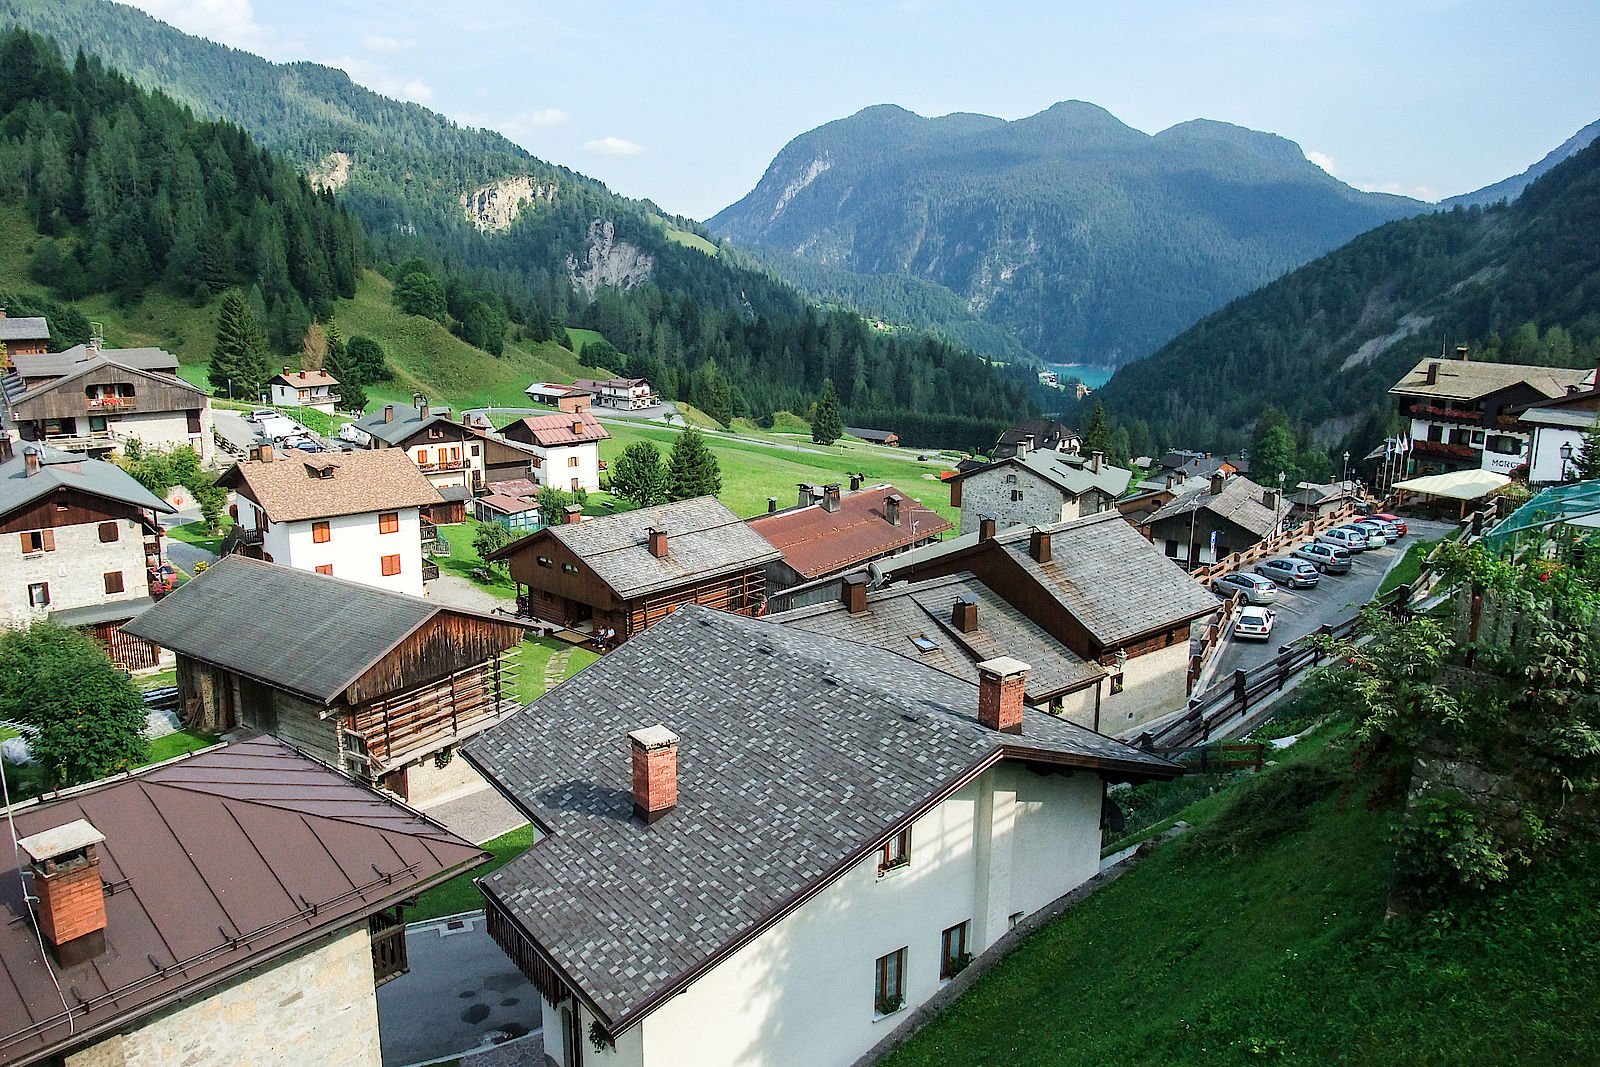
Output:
(68, 470)
(291, 488)
(547, 431)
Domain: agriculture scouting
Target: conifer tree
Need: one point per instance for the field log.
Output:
(692, 470)
(1097, 435)
(1588, 458)
(827, 426)
(638, 476)
(239, 362)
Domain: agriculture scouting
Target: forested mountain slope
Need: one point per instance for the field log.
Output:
(1511, 188)
(1517, 283)
(704, 326)
(1090, 241)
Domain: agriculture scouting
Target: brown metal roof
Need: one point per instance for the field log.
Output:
(213, 865)
(816, 541)
(549, 430)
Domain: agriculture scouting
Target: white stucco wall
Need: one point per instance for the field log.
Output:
(424, 455)
(801, 994)
(558, 470)
(75, 571)
(166, 429)
(315, 1006)
(354, 548)
(1547, 442)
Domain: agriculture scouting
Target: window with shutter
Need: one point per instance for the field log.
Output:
(389, 522)
(109, 532)
(391, 564)
(113, 580)
(321, 532)
(49, 540)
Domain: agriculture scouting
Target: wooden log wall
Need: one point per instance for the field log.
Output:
(738, 593)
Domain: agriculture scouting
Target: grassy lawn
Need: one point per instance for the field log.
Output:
(536, 655)
(464, 559)
(158, 680)
(1220, 949)
(459, 894)
(1409, 568)
(754, 470)
(196, 534)
(164, 748)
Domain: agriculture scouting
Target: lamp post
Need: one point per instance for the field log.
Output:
(1277, 521)
(1566, 460)
(1344, 477)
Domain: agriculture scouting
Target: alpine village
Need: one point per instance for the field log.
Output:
(453, 613)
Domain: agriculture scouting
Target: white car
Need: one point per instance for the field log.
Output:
(1255, 624)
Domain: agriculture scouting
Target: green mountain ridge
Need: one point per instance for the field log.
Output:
(1516, 282)
(1088, 240)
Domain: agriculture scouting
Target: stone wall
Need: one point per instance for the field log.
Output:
(314, 1006)
(989, 493)
(74, 571)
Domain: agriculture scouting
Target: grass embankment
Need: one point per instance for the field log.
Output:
(1409, 569)
(753, 470)
(1261, 936)
(459, 894)
(176, 744)
(196, 534)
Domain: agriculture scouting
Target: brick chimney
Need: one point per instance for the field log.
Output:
(574, 513)
(1218, 480)
(830, 496)
(388, 413)
(302, 375)
(853, 592)
(655, 772)
(1000, 691)
(1039, 546)
(891, 508)
(71, 904)
(1433, 372)
(423, 410)
(286, 372)
(964, 614)
(30, 461)
(658, 542)
(986, 527)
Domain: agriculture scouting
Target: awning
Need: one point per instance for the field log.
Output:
(1458, 485)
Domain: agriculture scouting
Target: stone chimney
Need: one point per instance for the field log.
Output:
(655, 772)
(30, 461)
(1433, 372)
(964, 614)
(1269, 498)
(1218, 480)
(1039, 546)
(986, 527)
(1094, 461)
(388, 413)
(891, 508)
(71, 904)
(772, 504)
(1461, 353)
(1022, 449)
(808, 495)
(658, 542)
(1000, 694)
(574, 513)
(1170, 480)
(423, 410)
(1183, 475)
(6, 455)
(830, 496)
(853, 592)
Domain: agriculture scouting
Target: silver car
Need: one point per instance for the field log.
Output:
(1345, 537)
(1295, 573)
(1254, 588)
(1378, 534)
(1329, 559)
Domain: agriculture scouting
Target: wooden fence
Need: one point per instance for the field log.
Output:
(1211, 640)
(1282, 541)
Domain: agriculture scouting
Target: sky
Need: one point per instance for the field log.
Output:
(686, 103)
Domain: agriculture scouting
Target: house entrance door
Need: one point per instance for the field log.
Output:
(571, 1040)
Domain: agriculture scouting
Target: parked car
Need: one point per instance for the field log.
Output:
(1347, 538)
(261, 414)
(1295, 573)
(1379, 527)
(1256, 589)
(1255, 624)
(1329, 559)
(1393, 520)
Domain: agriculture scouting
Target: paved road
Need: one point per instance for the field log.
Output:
(462, 993)
(1336, 597)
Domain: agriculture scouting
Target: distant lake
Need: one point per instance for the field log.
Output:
(1093, 377)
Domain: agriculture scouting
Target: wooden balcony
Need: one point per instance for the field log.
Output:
(443, 466)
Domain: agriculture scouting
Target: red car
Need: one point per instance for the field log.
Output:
(1397, 520)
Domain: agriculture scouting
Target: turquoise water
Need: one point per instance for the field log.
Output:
(1093, 377)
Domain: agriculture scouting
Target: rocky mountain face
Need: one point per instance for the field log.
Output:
(1090, 241)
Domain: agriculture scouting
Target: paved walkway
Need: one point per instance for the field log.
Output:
(454, 591)
(555, 669)
(479, 816)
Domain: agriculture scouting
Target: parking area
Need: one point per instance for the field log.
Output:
(1335, 597)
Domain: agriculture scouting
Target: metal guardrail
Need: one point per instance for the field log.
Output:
(1230, 700)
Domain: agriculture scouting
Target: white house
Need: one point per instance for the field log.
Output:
(629, 393)
(1036, 488)
(304, 389)
(819, 835)
(1559, 428)
(565, 448)
(78, 537)
(354, 515)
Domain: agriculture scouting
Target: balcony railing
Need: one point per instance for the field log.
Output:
(112, 403)
(430, 570)
(443, 465)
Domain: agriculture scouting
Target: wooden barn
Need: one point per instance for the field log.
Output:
(627, 572)
(382, 684)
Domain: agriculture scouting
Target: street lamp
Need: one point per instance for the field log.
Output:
(1566, 460)
(1344, 478)
(1277, 523)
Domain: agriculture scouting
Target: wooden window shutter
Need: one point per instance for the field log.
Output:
(109, 533)
(49, 540)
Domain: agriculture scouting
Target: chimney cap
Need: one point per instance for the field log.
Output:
(653, 737)
(1003, 666)
(70, 837)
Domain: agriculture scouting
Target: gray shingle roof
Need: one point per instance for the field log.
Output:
(307, 633)
(58, 364)
(407, 422)
(1239, 503)
(923, 609)
(69, 470)
(704, 539)
(25, 328)
(1071, 474)
(798, 753)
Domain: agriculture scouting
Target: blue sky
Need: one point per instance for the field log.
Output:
(686, 103)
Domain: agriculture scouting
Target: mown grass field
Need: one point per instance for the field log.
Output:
(459, 894)
(1219, 951)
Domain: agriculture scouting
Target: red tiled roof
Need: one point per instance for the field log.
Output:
(816, 541)
(550, 430)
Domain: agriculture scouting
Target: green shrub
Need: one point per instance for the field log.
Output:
(1276, 803)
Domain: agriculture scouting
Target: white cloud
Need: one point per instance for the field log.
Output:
(230, 22)
(1324, 161)
(378, 43)
(379, 80)
(546, 116)
(612, 146)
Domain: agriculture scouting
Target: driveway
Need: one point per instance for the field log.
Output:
(462, 993)
(454, 591)
(1335, 597)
